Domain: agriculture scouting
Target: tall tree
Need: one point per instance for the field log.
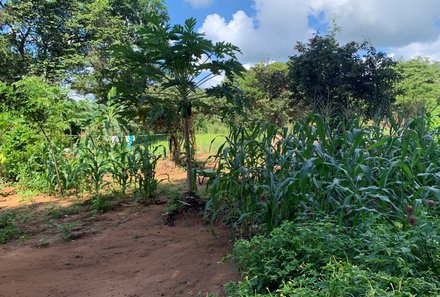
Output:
(69, 42)
(338, 80)
(182, 62)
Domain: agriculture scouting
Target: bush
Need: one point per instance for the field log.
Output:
(322, 258)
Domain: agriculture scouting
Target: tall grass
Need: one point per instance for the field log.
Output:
(349, 170)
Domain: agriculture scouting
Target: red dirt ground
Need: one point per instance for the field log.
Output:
(126, 252)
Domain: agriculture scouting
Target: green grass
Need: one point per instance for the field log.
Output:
(58, 211)
(207, 143)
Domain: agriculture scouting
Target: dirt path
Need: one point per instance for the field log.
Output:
(126, 252)
(133, 255)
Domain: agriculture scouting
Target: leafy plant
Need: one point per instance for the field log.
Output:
(9, 229)
(321, 258)
(101, 204)
(66, 230)
(349, 171)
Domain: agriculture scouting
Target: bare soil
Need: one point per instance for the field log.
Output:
(128, 251)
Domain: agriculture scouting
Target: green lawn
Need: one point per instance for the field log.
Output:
(207, 143)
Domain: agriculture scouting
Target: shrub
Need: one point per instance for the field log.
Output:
(322, 258)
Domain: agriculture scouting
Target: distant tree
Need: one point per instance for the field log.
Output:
(419, 89)
(266, 91)
(338, 80)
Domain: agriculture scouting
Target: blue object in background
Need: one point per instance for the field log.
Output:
(130, 139)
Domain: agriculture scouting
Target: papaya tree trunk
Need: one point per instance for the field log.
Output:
(189, 169)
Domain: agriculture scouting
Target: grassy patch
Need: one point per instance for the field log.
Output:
(9, 229)
(207, 143)
(58, 211)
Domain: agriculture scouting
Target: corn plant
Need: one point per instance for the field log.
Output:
(70, 170)
(95, 161)
(142, 168)
(348, 170)
(121, 167)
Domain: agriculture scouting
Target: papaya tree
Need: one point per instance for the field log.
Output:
(181, 63)
(187, 62)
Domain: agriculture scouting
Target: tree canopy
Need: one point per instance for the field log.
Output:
(339, 80)
(419, 89)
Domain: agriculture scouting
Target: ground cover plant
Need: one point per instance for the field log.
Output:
(9, 228)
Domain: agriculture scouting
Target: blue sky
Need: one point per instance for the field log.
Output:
(268, 29)
(180, 10)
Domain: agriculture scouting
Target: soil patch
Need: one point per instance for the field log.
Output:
(126, 253)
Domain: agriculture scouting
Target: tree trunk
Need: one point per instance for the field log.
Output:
(174, 148)
(189, 169)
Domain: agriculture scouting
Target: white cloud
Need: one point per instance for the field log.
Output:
(416, 49)
(386, 23)
(200, 3)
(407, 27)
(270, 34)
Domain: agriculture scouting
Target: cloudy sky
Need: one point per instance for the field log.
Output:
(269, 29)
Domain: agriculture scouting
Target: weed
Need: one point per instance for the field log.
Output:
(9, 229)
(101, 204)
(58, 212)
(66, 230)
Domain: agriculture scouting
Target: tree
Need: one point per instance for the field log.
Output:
(338, 80)
(69, 42)
(42, 34)
(117, 26)
(266, 91)
(419, 89)
(181, 62)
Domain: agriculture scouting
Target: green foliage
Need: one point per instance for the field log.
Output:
(321, 258)
(59, 212)
(19, 144)
(181, 61)
(39, 107)
(349, 171)
(419, 89)
(339, 80)
(145, 160)
(101, 204)
(94, 158)
(266, 92)
(66, 230)
(9, 228)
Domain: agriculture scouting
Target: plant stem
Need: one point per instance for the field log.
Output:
(55, 162)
